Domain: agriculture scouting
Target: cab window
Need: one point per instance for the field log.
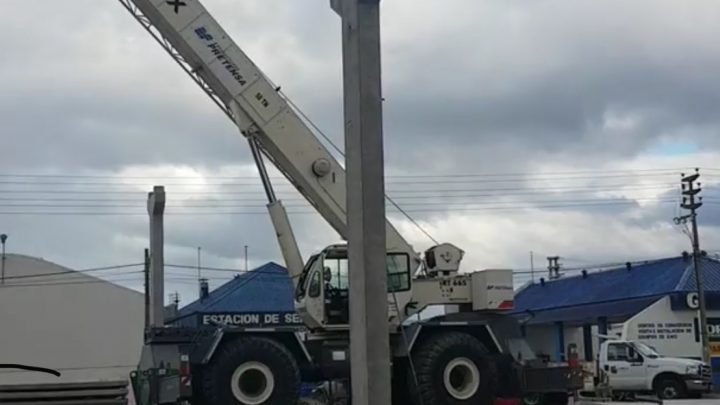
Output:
(302, 282)
(398, 272)
(338, 273)
(618, 352)
(314, 288)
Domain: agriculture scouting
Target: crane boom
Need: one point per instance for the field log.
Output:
(221, 68)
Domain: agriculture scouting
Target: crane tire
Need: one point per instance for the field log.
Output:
(453, 368)
(252, 371)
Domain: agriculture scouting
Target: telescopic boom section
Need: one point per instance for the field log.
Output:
(195, 39)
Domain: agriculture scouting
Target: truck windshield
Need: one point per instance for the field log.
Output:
(398, 270)
(646, 350)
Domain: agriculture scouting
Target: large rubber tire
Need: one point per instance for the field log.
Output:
(252, 371)
(457, 359)
(670, 387)
(508, 384)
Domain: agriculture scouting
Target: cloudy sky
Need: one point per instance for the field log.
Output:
(554, 126)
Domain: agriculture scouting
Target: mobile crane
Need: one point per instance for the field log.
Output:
(460, 358)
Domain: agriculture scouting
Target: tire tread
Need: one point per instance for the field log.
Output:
(212, 385)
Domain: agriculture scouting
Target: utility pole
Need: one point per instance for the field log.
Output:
(147, 287)
(690, 190)
(175, 298)
(364, 162)
(532, 267)
(246, 258)
(553, 267)
(156, 209)
(3, 239)
(199, 274)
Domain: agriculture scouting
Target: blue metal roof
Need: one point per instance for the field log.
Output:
(617, 293)
(711, 276)
(265, 289)
(614, 311)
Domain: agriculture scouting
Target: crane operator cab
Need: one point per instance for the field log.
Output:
(322, 293)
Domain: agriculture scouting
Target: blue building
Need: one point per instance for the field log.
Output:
(652, 301)
(261, 297)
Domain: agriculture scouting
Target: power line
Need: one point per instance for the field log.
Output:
(412, 204)
(287, 199)
(297, 199)
(84, 271)
(455, 179)
(78, 282)
(607, 187)
(238, 213)
(629, 172)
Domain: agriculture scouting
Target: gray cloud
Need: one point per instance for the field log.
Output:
(470, 87)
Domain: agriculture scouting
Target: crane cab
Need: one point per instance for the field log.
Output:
(322, 296)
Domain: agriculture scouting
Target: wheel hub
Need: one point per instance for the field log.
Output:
(252, 383)
(532, 399)
(669, 392)
(461, 378)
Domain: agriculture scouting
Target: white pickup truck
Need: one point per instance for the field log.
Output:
(634, 367)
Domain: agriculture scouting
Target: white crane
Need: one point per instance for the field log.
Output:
(460, 348)
(277, 132)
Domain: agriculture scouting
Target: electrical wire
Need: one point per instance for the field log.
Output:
(547, 189)
(83, 271)
(64, 283)
(414, 204)
(629, 172)
(429, 179)
(230, 270)
(296, 199)
(525, 207)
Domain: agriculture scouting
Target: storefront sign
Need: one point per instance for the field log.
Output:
(664, 330)
(713, 327)
(252, 319)
(689, 301)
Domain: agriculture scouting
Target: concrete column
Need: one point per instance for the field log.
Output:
(156, 209)
(369, 338)
(602, 327)
(587, 342)
(560, 347)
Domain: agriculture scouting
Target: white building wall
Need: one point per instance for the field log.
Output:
(672, 333)
(89, 332)
(542, 339)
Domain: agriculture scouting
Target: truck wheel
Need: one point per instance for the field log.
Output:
(252, 371)
(453, 369)
(669, 387)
